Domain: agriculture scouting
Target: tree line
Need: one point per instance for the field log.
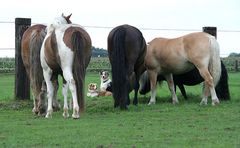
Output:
(99, 52)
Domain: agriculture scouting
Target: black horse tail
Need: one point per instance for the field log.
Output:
(78, 43)
(36, 72)
(222, 88)
(119, 68)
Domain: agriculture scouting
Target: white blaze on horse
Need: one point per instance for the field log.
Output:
(178, 55)
(66, 50)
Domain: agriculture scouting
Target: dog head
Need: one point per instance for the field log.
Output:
(104, 75)
(92, 87)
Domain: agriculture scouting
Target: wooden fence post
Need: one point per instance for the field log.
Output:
(236, 66)
(211, 30)
(22, 83)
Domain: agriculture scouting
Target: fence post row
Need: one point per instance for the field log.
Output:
(22, 83)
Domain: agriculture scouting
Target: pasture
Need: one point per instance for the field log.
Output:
(162, 125)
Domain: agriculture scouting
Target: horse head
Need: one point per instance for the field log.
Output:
(62, 20)
(58, 21)
(67, 18)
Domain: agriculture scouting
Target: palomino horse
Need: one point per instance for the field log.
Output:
(179, 55)
(30, 51)
(190, 78)
(126, 49)
(66, 50)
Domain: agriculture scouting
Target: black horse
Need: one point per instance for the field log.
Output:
(190, 78)
(126, 51)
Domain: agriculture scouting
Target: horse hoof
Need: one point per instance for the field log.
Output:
(75, 116)
(124, 107)
(135, 102)
(56, 106)
(175, 102)
(151, 103)
(34, 110)
(41, 114)
(215, 102)
(65, 115)
(48, 115)
(203, 102)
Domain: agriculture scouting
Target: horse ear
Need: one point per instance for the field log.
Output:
(62, 15)
(68, 17)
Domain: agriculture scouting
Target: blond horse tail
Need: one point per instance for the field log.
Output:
(215, 62)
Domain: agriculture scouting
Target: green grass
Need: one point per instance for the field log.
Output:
(162, 125)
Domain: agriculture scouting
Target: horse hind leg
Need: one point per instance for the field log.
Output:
(209, 86)
(136, 88)
(34, 110)
(68, 76)
(205, 94)
(65, 107)
(35, 102)
(56, 104)
(153, 82)
(47, 73)
(182, 89)
(170, 82)
(135, 81)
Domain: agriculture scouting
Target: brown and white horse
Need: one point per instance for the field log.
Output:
(180, 55)
(30, 51)
(66, 50)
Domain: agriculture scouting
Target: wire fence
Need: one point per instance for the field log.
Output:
(11, 49)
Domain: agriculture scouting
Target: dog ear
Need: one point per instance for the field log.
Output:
(100, 72)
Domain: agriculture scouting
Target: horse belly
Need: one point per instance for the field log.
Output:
(178, 67)
(183, 68)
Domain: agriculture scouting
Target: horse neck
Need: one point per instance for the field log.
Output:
(57, 23)
(50, 28)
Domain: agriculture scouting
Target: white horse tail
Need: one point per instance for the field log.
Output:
(79, 66)
(215, 62)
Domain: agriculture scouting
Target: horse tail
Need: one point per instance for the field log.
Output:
(36, 72)
(222, 88)
(119, 68)
(144, 83)
(79, 66)
(215, 64)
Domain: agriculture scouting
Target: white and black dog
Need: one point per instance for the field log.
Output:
(106, 82)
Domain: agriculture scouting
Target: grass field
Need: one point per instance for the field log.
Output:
(162, 125)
